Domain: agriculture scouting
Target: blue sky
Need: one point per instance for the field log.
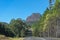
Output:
(20, 8)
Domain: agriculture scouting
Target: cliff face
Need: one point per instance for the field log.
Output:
(33, 18)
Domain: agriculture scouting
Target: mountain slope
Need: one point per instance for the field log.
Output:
(33, 18)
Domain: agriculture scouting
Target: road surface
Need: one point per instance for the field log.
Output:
(37, 38)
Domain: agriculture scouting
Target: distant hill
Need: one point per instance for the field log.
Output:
(33, 18)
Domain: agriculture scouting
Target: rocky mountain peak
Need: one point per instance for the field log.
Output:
(33, 18)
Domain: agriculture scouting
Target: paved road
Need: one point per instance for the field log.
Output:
(30, 38)
(37, 38)
(33, 38)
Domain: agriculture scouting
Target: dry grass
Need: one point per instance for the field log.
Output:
(16, 38)
(2, 37)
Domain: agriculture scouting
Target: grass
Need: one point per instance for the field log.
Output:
(16, 38)
(2, 37)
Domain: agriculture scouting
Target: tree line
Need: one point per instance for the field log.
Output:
(47, 26)
(16, 28)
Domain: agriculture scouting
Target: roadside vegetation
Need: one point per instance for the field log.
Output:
(16, 29)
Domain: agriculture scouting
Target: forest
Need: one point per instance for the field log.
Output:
(47, 25)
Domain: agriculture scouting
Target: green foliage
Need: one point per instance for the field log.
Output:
(39, 26)
(35, 29)
(5, 30)
(46, 20)
(16, 28)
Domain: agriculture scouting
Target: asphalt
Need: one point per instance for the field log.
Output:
(38, 38)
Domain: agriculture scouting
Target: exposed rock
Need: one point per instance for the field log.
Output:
(33, 18)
